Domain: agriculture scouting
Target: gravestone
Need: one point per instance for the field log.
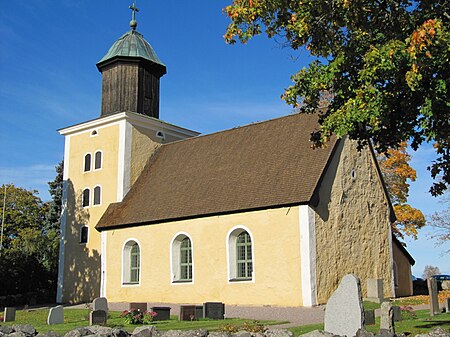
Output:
(375, 290)
(139, 306)
(199, 311)
(214, 310)
(447, 305)
(97, 317)
(100, 303)
(162, 313)
(369, 317)
(9, 314)
(187, 312)
(397, 313)
(434, 300)
(56, 315)
(344, 313)
(387, 318)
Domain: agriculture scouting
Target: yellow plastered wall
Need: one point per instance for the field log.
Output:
(276, 261)
(82, 261)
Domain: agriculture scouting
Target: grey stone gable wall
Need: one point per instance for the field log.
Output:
(352, 222)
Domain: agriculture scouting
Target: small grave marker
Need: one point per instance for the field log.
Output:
(162, 313)
(9, 314)
(56, 315)
(97, 317)
(375, 290)
(447, 305)
(387, 318)
(369, 317)
(214, 310)
(187, 312)
(199, 311)
(100, 303)
(139, 306)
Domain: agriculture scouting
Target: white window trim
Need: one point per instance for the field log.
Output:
(93, 160)
(84, 162)
(126, 263)
(93, 196)
(231, 254)
(82, 197)
(81, 232)
(175, 259)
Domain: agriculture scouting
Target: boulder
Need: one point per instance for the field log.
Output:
(27, 329)
(278, 333)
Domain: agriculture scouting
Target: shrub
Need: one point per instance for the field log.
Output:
(135, 316)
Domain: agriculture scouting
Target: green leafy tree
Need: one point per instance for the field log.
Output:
(386, 63)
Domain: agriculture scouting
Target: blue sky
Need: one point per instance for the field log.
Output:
(48, 80)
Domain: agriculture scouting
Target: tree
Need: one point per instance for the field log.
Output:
(441, 223)
(386, 62)
(397, 172)
(430, 271)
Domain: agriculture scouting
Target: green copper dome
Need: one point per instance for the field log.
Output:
(132, 45)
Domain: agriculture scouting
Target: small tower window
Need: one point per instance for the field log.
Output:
(94, 133)
(160, 135)
(98, 160)
(87, 162)
(97, 195)
(84, 234)
(85, 197)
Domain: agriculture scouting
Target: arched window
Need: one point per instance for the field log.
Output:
(84, 234)
(87, 162)
(98, 160)
(240, 255)
(131, 263)
(97, 195)
(182, 260)
(85, 197)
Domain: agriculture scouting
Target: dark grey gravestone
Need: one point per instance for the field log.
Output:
(187, 312)
(162, 313)
(214, 310)
(397, 313)
(9, 315)
(97, 317)
(344, 314)
(199, 311)
(447, 305)
(434, 300)
(139, 306)
(369, 317)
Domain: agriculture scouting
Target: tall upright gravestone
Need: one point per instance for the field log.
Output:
(56, 315)
(434, 300)
(344, 313)
(100, 303)
(9, 314)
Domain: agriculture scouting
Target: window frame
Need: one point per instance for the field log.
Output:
(84, 229)
(83, 197)
(87, 162)
(126, 263)
(176, 264)
(232, 258)
(95, 160)
(99, 187)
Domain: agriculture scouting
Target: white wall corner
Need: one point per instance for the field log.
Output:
(308, 255)
(103, 275)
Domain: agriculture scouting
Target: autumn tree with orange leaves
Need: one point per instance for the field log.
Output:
(397, 173)
(387, 64)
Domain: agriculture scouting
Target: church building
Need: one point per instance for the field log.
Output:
(252, 216)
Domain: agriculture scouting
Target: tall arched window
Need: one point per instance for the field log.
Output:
(240, 255)
(244, 261)
(97, 195)
(85, 197)
(98, 160)
(182, 259)
(131, 263)
(87, 162)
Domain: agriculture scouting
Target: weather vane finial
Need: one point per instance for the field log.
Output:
(133, 22)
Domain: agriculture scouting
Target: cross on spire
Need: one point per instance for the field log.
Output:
(134, 9)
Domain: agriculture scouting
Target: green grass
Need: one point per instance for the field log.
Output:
(421, 324)
(74, 318)
(371, 305)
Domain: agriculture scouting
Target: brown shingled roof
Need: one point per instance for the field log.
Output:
(262, 165)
